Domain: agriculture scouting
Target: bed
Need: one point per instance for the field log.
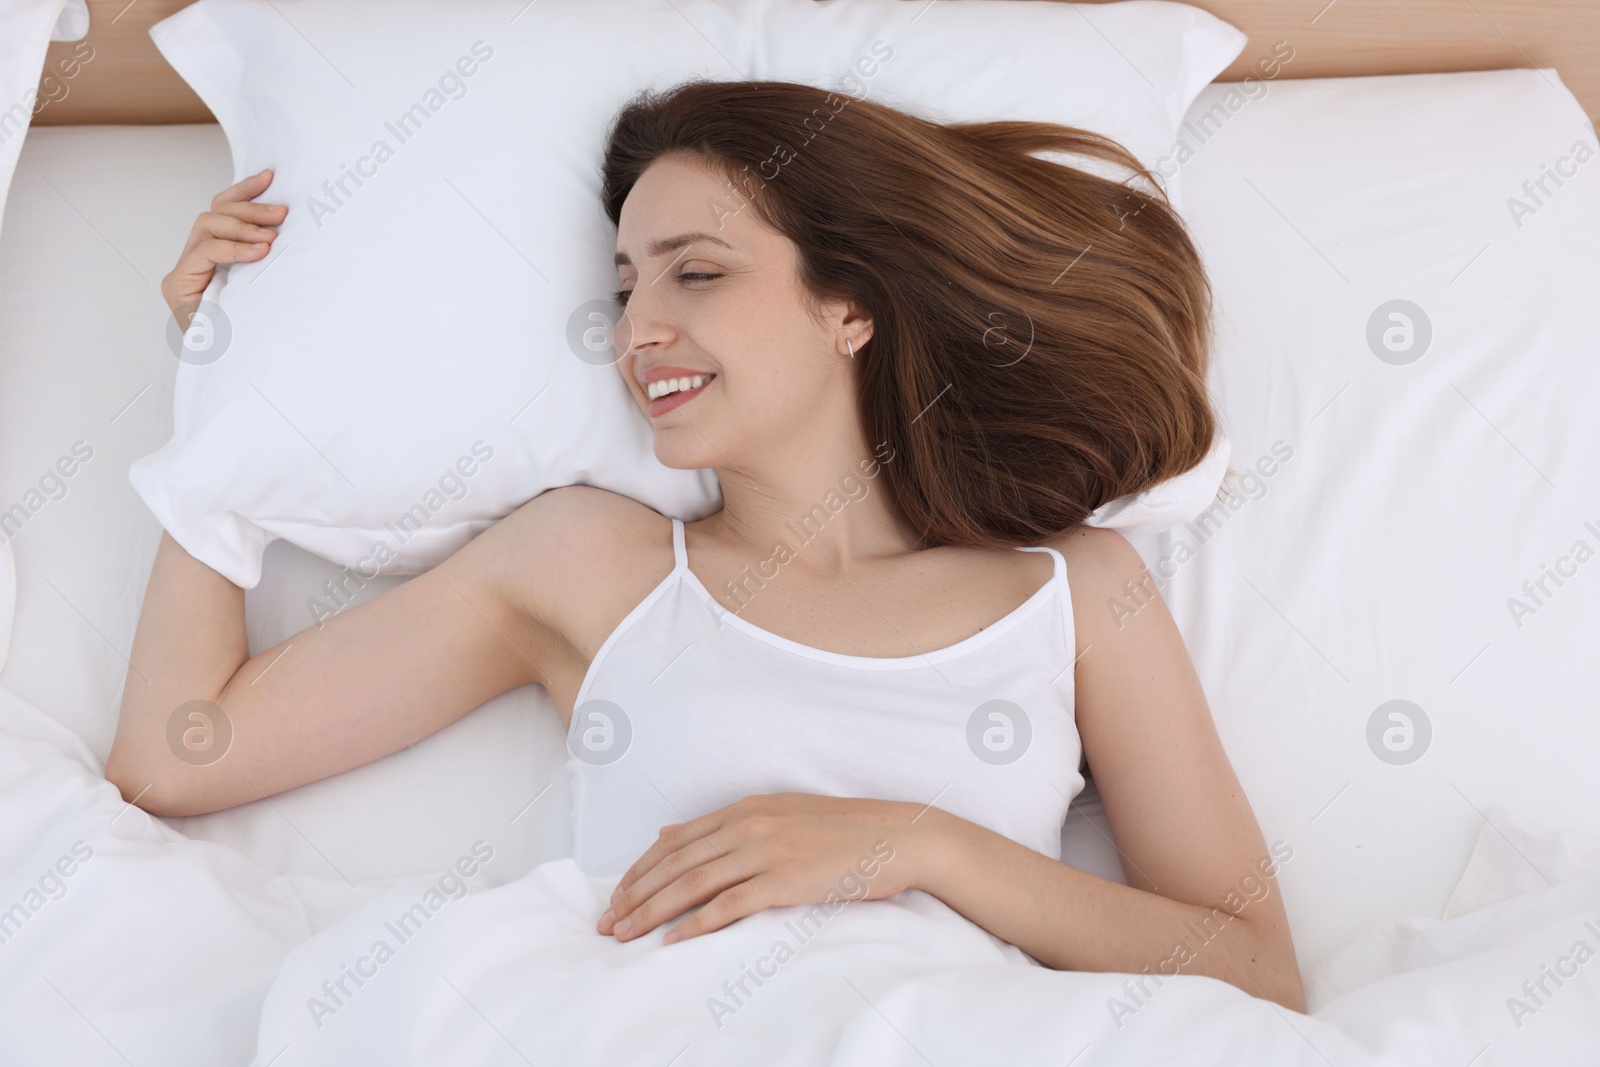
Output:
(1403, 562)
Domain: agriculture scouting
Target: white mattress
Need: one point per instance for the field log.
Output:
(1376, 566)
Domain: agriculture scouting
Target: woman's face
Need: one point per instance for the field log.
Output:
(712, 291)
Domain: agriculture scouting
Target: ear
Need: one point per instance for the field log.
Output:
(856, 324)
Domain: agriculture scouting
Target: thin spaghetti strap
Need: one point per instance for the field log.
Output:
(1059, 579)
(1060, 574)
(1069, 626)
(1061, 561)
(680, 550)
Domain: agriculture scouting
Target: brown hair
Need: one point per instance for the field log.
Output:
(1039, 337)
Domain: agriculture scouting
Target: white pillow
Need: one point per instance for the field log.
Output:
(26, 30)
(73, 22)
(430, 334)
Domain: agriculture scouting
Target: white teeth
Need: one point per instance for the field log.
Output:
(668, 386)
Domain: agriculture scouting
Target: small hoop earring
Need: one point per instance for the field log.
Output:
(851, 347)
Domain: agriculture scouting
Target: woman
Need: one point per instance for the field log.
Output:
(908, 349)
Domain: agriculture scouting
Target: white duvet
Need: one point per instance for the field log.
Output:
(123, 942)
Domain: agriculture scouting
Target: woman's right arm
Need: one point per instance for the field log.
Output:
(365, 683)
(369, 681)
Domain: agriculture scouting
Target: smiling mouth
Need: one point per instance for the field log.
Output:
(664, 404)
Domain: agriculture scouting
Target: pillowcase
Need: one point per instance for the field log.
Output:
(428, 344)
(1174, 501)
(26, 30)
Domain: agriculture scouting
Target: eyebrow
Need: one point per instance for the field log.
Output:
(671, 244)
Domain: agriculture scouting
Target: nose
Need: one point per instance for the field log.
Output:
(640, 325)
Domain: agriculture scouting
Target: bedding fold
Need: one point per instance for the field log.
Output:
(121, 940)
(124, 941)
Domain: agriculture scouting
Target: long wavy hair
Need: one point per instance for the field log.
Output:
(1040, 331)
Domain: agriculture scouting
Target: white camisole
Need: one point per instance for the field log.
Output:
(687, 707)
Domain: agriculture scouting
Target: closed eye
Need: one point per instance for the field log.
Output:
(620, 297)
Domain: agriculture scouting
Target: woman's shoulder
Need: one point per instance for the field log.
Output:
(1095, 548)
(593, 532)
(1108, 580)
(591, 509)
(588, 555)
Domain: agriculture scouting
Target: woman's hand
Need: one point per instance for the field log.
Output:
(235, 230)
(768, 851)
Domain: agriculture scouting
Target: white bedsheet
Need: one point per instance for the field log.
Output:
(124, 942)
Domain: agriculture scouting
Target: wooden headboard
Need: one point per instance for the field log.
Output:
(127, 80)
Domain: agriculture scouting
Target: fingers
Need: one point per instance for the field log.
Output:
(183, 286)
(232, 228)
(244, 189)
(235, 230)
(212, 232)
(671, 839)
(195, 266)
(251, 211)
(236, 205)
(668, 871)
(730, 905)
(234, 217)
(695, 885)
(215, 250)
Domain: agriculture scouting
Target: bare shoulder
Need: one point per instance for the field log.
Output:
(1096, 550)
(1099, 561)
(1110, 583)
(574, 554)
(585, 533)
(580, 512)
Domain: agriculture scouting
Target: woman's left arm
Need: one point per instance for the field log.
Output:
(1199, 898)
